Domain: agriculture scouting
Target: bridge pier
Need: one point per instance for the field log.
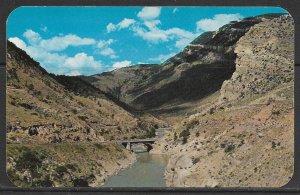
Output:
(128, 146)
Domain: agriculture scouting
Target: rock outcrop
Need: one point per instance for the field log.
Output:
(173, 87)
(265, 59)
(247, 134)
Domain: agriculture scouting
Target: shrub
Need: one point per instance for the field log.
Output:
(72, 167)
(26, 106)
(61, 170)
(46, 182)
(30, 87)
(80, 183)
(192, 124)
(82, 117)
(99, 146)
(229, 148)
(151, 132)
(196, 160)
(36, 93)
(31, 160)
(184, 140)
(184, 134)
(32, 132)
(175, 136)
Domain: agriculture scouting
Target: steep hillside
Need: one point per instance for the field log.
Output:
(244, 137)
(196, 72)
(48, 108)
(65, 165)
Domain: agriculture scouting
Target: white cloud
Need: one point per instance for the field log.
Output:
(44, 28)
(32, 37)
(105, 50)
(57, 43)
(108, 52)
(152, 24)
(121, 64)
(105, 43)
(162, 58)
(148, 13)
(73, 73)
(125, 23)
(62, 42)
(154, 34)
(111, 27)
(175, 10)
(183, 42)
(57, 63)
(81, 60)
(216, 22)
(149, 30)
(18, 42)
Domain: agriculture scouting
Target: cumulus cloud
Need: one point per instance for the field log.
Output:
(81, 60)
(108, 52)
(121, 64)
(105, 50)
(212, 24)
(56, 43)
(58, 63)
(59, 43)
(32, 37)
(149, 13)
(18, 42)
(155, 34)
(73, 73)
(111, 27)
(149, 29)
(105, 43)
(125, 23)
(161, 58)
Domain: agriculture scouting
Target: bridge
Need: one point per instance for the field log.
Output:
(128, 143)
(147, 141)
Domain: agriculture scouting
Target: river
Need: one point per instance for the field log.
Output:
(147, 171)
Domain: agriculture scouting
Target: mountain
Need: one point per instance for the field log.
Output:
(43, 107)
(193, 74)
(228, 96)
(245, 136)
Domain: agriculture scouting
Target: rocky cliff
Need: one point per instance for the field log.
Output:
(246, 137)
(193, 74)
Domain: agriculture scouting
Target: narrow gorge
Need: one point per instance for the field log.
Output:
(221, 112)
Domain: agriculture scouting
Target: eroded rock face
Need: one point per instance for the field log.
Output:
(190, 75)
(242, 140)
(265, 59)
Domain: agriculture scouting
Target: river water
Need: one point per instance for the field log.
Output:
(147, 171)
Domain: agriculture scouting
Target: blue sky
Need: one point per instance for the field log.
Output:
(91, 40)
